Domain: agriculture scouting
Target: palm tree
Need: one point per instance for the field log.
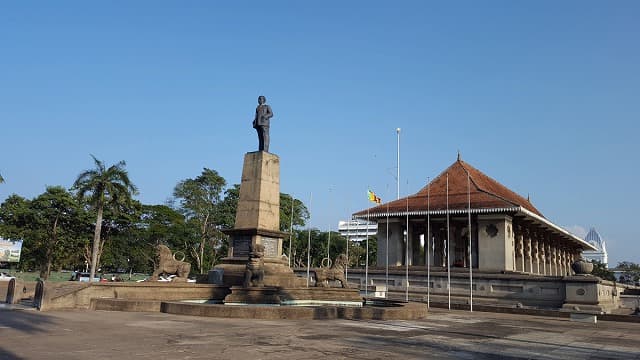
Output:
(102, 187)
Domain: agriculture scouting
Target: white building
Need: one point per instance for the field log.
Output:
(357, 230)
(594, 238)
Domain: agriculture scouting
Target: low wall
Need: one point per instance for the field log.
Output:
(13, 292)
(552, 292)
(55, 296)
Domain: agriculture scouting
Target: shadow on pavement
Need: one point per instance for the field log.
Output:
(27, 321)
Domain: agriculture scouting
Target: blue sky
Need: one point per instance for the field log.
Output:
(543, 96)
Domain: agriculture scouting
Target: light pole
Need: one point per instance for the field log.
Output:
(291, 229)
(398, 174)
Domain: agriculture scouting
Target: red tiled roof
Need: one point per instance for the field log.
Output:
(486, 193)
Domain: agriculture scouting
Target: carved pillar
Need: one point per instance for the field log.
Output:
(554, 261)
(536, 254)
(527, 252)
(563, 261)
(549, 255)
(572, 254)
(519, 248)
(543, 253)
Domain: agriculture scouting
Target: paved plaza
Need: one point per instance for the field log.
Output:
(79, 334)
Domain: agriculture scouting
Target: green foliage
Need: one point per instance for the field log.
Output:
(601, 271)
(102, 188)
(318, 248)
(58, 226)
(50, 225)
(200, 202)
(630, 272)
(358, 253)
(298, 217)
(228, 206)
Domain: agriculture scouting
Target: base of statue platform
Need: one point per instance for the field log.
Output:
(276, 273)
(252, 296)
(295, 296)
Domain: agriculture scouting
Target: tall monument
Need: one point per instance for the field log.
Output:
(258, 212)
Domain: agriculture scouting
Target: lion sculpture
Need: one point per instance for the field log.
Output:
(167, 264)
(254, 273)
(335, 272)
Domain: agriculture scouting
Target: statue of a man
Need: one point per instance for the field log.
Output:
(261, 123)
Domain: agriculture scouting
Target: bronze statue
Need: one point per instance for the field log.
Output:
(261, 123)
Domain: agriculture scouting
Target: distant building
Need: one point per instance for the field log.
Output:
(594, 238)
(357, 230)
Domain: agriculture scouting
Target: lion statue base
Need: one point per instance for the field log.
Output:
(167, 264)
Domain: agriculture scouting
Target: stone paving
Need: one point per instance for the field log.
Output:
(27, 334)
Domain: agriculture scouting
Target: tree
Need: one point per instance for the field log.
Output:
(159, 224)
(300, 213)
(103, 187)
(15, 217)
(200, 200)
(600, 270)
(56, 224)
(630, 272)
(1, 179)
(228, 207)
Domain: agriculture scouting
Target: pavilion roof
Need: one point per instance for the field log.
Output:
(466, 184)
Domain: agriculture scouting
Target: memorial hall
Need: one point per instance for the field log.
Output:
(461, 205)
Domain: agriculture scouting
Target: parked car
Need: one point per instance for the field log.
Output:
(83, 277)
(5, 276)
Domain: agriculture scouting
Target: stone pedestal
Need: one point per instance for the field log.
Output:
(300, 296)
(253, 295)
(258, 222)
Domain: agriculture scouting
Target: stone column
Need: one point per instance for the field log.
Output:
(554, 260)
(536, 254)
(563, 261)
(549, 255)
(543, 254)
(519, 248)
(572, 258)
(527, 253)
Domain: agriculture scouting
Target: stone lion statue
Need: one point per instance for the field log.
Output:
(254, 273)
(335, 272)
(167, 264)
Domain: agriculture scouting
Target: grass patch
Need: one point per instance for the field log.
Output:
(58, 276)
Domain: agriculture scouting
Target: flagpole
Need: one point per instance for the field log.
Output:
(470, 254)
(346, 268)
(448, 244)
(291, 229)
(309, 243)
(329, 238)
(366, 265)
(386, 278)
(398, 168)
(428, 237)
(407, 249)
